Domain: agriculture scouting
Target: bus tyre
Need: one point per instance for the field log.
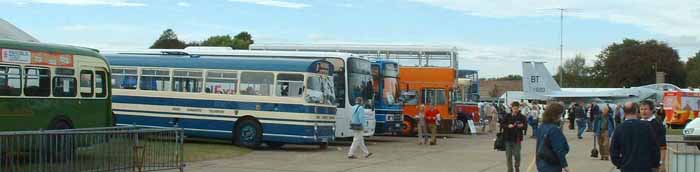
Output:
(409, 127)
(248, 134)
(275, 145)
(60, 147)
(323, 146)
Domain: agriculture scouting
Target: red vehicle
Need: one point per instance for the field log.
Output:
(681, 107)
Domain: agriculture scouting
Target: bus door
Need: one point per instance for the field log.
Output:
(91, 87)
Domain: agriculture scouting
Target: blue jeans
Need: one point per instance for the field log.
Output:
(581, 123)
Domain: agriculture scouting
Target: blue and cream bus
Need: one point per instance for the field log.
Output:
(352, 77)
(250, 98)
(388, 108)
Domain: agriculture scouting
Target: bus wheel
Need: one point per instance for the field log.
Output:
(674, 126)
(248, 134)
(323, 146)
(274, 145)
(60, 147)
(408, 127)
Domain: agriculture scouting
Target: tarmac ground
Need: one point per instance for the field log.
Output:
(454, 152)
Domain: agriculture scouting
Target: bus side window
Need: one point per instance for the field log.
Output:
(187, 81)
(86, 82)
(257, 83)
(37, 82)
(10, 81)
(221, 82)
(64, 83)
(124, 78)
(100, 85)
(155, 79)
(289, 85)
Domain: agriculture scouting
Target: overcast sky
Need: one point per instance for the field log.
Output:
(494, 36)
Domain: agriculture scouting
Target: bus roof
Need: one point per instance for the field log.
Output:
(225, 51)
(213, 62)
(57, 48)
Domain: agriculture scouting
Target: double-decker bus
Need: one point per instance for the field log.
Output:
(388, 109)
(681, 107)
(248, 97)
(49, 86)
(428, 86)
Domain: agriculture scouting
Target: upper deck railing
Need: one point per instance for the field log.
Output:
(405, 55)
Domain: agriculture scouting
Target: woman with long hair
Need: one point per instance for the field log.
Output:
(552, 146)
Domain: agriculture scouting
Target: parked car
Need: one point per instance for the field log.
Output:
(692, 131)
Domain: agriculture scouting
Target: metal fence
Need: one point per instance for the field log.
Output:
(683, 156)
(111, 149)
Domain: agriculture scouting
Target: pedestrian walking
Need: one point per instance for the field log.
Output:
(432, 118)
(571, 117)
(422, 128)
(634, 147)
(513, 126)
(604, 129)
(552, 146)
(581, 120)
(357, 124)
(493, 115)
(533, 119)
(647, 114)
(593, 113)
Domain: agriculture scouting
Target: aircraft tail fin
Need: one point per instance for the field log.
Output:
(537, 79)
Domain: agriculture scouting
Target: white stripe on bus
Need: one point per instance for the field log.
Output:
(226, 112)
(218, 119)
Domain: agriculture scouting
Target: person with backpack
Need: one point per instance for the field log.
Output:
(552, 146)
(357, 124)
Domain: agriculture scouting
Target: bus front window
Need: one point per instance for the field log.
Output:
(409, 97)
(391, 84)
(434, 96)
(360, 80)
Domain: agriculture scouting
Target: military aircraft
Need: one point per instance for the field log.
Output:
(538, 83)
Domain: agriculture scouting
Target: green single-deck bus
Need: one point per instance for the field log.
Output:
(49, 86)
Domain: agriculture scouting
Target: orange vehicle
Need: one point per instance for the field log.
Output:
(426, 85)
(681, 107)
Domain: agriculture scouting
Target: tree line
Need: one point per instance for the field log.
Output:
(169, 40)
(631, 63)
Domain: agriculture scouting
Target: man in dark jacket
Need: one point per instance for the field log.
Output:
(594, 112)
(647, 114)
(634, 147)
(571, 116)
(513, 126)
(581, 120)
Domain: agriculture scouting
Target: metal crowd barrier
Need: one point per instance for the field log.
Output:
(683, 156)
(110, 149)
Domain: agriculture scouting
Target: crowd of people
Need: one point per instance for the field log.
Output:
(632, 136)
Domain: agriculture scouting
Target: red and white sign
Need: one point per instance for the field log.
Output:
(36, 57)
